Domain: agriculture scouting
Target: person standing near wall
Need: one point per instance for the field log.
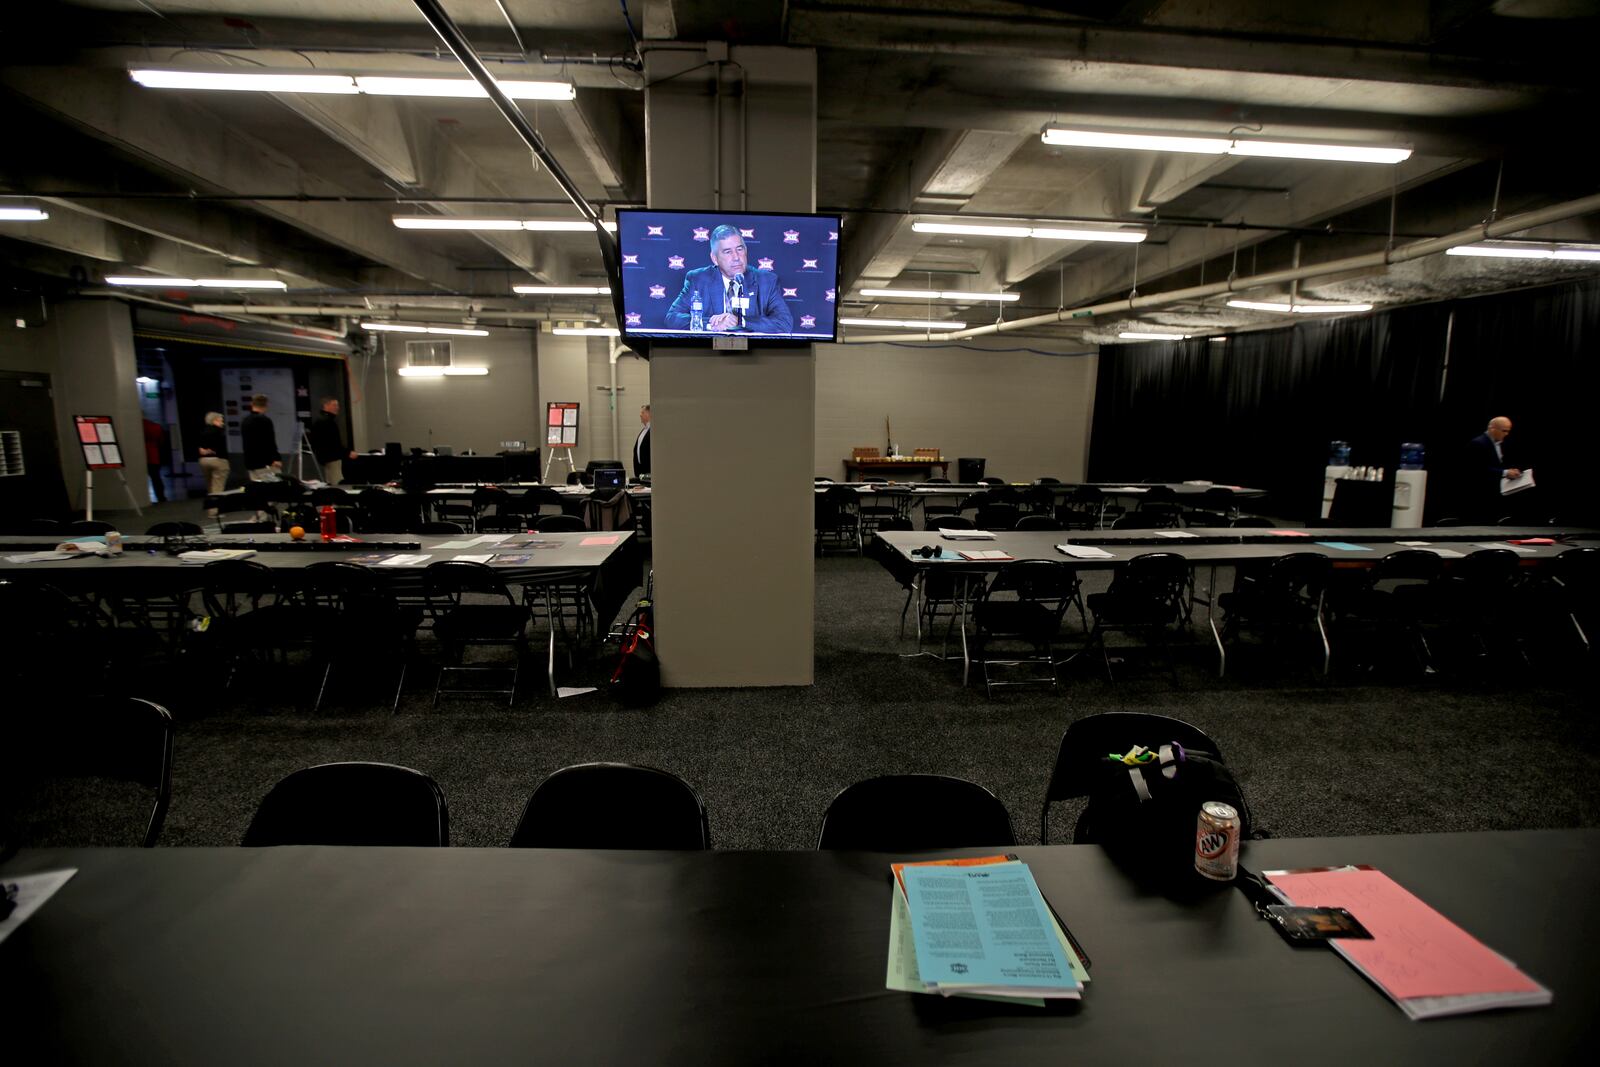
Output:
(327, 442)
(641, 446)
(213, 449)
(261, 456)
(155, 447)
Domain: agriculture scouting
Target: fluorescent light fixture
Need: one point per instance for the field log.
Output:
(910, 324)
(564, 225)
(442, 372)
(440, 222)
(345, 84)
(1221, 146)
(406, 327)
(1056, 233)
(464, 87)
(562, 290)
(245, 82)
(1043, 233)
(1519, 251)
(22, 214)
(938, 294)
(587, 331)
(1145, 142)
(1300, 309)
(1145, 335)
(434, 222)
(197, 283)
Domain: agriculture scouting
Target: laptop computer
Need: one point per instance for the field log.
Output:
(610, 478)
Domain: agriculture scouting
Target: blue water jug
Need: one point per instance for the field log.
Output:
(1411, 456)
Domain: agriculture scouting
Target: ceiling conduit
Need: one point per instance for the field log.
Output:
(1416, 250)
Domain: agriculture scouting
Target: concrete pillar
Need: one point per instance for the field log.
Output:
(731, 433)
(97, 372)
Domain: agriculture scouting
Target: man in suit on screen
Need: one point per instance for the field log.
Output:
(732, 297)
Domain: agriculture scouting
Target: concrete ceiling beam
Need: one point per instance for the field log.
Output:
(1034, 36)
(947, 169)
(178, 136)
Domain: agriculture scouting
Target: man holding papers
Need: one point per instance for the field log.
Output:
(1491, 469)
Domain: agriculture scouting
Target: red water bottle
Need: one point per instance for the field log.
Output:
(329, 524)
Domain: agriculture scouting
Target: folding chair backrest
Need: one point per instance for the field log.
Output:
(915, 813)
(352, 804)
(1037, 579)
(613, 806)
(559, 524)
(1160, 575)
(1299, 573)
(1487, 568)
(1406, 564)
(173, 529)
(234, 586)
(117, 738)
(444, 583)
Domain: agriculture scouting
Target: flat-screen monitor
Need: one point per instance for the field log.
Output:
(696, 275)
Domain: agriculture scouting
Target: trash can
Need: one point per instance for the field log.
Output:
(969, 469)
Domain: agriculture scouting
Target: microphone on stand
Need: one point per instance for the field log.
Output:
(739, 301)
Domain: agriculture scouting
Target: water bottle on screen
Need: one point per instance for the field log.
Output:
(697, 315)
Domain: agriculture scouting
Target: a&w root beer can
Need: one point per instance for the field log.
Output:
(1216, 841)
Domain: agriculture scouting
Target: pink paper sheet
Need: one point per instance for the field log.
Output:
(1415, 951)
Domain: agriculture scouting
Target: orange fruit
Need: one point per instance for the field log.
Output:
(297, 532)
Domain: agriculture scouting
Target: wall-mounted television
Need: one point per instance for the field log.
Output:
(692, 276)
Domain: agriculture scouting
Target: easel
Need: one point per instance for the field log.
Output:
(97, 436)
(304, 450)
(88, 494)
(560, 435)
(550, 457)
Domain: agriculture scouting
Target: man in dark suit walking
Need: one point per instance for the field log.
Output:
(1489, 468)
(732, 297)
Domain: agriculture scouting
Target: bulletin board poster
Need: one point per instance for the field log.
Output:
(561, 425)
(98, 439)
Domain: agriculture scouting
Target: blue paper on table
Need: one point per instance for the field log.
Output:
(986, 928)
(1345, 546)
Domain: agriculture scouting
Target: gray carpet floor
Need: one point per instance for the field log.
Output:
(1481, 745)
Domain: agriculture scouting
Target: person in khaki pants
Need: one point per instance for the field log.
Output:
(214, 456)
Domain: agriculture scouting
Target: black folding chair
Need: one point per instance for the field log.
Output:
(838, 518)
(915, 813)
(1290, 592)
(613, 806)
(1146, 597)
(1088, 741)
(493, 618)
(1024, 604)
(122, 739)
(560, 524)
(352, 804)
(356, 623)
(1393, 598)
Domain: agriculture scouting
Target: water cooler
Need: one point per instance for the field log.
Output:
(1410, 488)
(1338, 467)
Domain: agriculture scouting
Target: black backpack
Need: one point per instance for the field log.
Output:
(1145, 813)
(636, 679)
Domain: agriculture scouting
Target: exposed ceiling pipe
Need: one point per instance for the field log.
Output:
(418, 314)
(1483, 231)
(458, 44)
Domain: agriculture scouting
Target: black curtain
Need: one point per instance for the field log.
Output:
(1261, 409)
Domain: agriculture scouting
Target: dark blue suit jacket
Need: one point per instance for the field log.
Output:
(768, 312)
(1487, 472)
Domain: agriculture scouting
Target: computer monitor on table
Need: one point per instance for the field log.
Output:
(392, 448)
